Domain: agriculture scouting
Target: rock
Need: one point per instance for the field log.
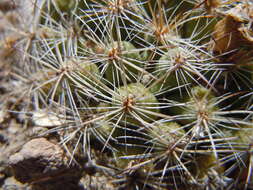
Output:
(7, 5)
(2, 116)
(44, 119)
(44, 164)
(12, 184)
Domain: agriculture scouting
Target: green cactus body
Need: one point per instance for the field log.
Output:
(135, 101)
(208, 169)
(101, 131)
(59, 8)
(124, 61)
(65, 5)
(52, 80)
(194, 28)
(197, 111)
(168, 70)
(202, 102)
(162, 134)
(245, 134)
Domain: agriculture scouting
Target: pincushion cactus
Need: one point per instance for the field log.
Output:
(148, 84)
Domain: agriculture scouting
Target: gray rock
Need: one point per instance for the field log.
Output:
(44, 164)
